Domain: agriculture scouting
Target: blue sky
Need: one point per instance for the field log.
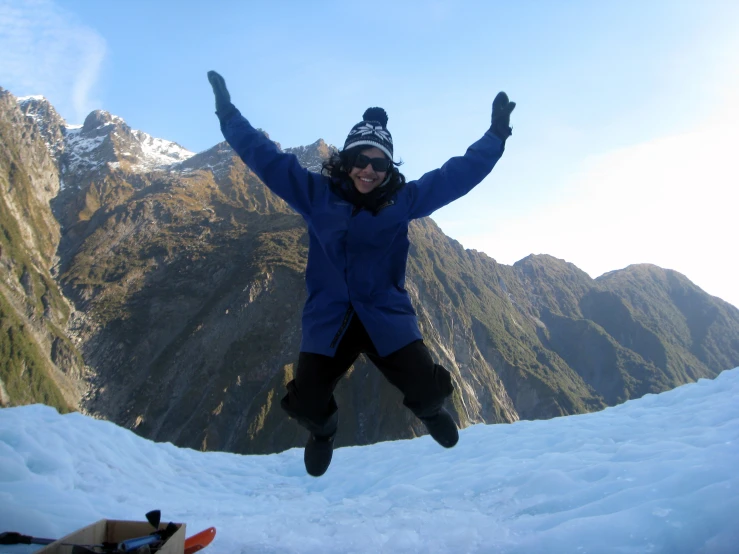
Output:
(623, 136)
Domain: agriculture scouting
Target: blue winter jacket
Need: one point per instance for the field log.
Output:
(357, 260)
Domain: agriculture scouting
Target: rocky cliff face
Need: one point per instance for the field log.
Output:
(185, 274)
(38, 361)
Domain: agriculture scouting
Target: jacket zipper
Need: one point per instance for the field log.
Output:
(350, 309)
(342, 328)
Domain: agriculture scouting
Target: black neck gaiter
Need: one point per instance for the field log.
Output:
(373, 201)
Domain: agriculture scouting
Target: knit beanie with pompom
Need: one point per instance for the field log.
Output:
(372, 131)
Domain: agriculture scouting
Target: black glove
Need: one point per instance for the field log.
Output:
(501, 120)
(224, 107)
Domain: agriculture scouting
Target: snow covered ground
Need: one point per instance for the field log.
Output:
(658, 474)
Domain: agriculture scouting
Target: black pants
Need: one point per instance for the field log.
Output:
(310, 397)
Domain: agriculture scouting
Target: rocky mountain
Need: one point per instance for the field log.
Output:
(172, 285)
(38, 361)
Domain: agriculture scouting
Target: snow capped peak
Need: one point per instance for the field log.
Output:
(46, 119)
(99, 119)
(312, 156)
(39, 109)
(103, 140)
(36, 98)
(106, 139)
(159, 152)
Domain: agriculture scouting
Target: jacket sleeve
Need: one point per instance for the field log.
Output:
(281, 172)
(455, 178)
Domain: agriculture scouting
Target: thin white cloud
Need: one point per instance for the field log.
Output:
(47, 51)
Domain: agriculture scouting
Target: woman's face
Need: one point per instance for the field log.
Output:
(366, 179)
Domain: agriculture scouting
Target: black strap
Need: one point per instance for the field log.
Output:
(11, 537)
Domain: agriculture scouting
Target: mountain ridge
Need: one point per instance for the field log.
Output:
(185, 283)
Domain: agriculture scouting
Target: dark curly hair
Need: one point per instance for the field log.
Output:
(339, 165)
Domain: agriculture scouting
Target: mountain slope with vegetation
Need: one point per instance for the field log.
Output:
(38, 361)
(169, 286)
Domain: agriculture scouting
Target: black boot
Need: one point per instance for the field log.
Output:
(320, 446)
(318, 453)
(442, 428)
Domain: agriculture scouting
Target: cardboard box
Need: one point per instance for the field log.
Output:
(111, 530)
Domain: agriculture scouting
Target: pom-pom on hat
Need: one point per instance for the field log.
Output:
(371, 131)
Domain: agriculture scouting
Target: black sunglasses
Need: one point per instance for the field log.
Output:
(378, 164)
